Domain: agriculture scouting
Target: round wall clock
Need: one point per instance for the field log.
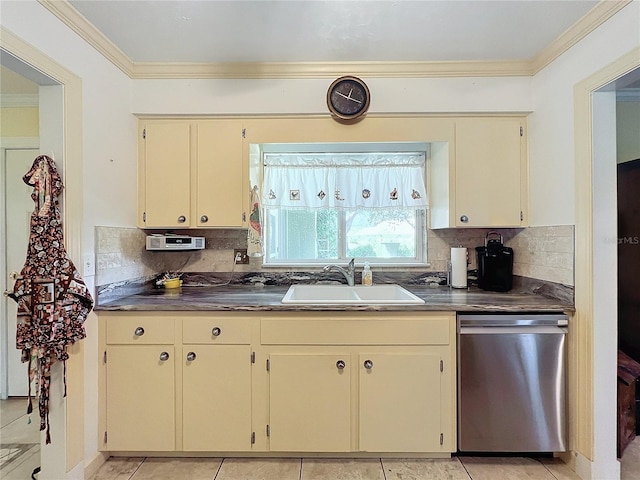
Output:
(348, 98)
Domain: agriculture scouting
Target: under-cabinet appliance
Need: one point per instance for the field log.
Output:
(174, 242)
(511, 382)
(495, 264)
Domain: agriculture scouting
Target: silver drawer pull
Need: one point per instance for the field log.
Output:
(191, 356)
(204, 219)
(139, 332)
(164, 356)
(368, 364)
(340, 364)
(216, 331)
(182, 219)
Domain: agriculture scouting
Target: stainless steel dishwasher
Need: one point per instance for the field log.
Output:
(511, 382)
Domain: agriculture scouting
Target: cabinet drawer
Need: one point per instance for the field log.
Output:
(140, 329)
(230, 331)
(365, 331)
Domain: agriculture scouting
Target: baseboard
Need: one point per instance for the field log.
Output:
(589, 470)
(93, 465)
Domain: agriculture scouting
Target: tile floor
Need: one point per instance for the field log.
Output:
(20, 454)
(19, 440)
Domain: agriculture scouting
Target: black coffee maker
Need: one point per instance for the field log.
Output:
(495, 264)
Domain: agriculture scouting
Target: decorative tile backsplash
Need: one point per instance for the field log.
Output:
(544, 253)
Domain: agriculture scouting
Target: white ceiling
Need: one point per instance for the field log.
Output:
(212, 31)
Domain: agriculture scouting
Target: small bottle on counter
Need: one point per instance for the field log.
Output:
(367, 275)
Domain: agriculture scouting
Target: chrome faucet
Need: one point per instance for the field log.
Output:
(349, 273)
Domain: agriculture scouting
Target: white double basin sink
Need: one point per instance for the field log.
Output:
(387, 294)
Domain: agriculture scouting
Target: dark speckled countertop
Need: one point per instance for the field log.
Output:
(268, 298)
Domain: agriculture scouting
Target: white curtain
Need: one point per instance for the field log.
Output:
(350, 181)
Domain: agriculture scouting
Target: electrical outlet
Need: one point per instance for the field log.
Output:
(89, 267)
(240, 256)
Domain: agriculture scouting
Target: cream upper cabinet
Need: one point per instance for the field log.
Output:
(221, 175)
(484, 184)
(192, 174)
(310, 402)
(400, 402)
(165, 175)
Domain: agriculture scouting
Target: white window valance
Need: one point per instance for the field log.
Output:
(344, 180)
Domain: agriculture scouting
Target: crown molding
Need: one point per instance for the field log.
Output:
(89, 33)
(16, 100)
(595, 17)
(330, 69)
(156, 70)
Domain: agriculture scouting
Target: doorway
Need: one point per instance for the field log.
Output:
(16, 162)
(60, 96)
(628, 209)
(595, 332)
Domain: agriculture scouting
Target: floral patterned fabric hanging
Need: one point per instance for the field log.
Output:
(53, 300)
(254, 235)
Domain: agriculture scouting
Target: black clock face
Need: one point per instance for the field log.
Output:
(348, 97)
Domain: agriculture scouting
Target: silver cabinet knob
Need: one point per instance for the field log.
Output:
(204, 219)
(340, 364)
(182, 219)
(368, 364)
(139, 332)
(164, 356)
(191, 356)
(464, 219)
(216, 331)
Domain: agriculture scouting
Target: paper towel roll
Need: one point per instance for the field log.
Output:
(459, 267)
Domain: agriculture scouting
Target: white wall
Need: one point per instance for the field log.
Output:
(551, 136)
(308, 96)
(109, 150)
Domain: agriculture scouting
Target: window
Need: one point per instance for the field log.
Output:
(324, 208)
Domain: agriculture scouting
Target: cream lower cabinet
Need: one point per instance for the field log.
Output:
(400, 402)
(216, 401)
(310, 402)
(316, 382)
(361, 382)
(216, 383)
(140, 385)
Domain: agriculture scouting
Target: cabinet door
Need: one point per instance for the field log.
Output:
(216, 398)
(310, 403)
(167, 175)
(221, 175)
(140, 398)
(400, 402)
(488, 172)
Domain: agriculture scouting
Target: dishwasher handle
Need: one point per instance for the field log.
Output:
(537, 330)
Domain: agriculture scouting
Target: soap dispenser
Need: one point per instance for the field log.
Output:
(367, 275)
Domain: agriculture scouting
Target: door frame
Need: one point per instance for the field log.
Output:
(67, 448)
(594, 362)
